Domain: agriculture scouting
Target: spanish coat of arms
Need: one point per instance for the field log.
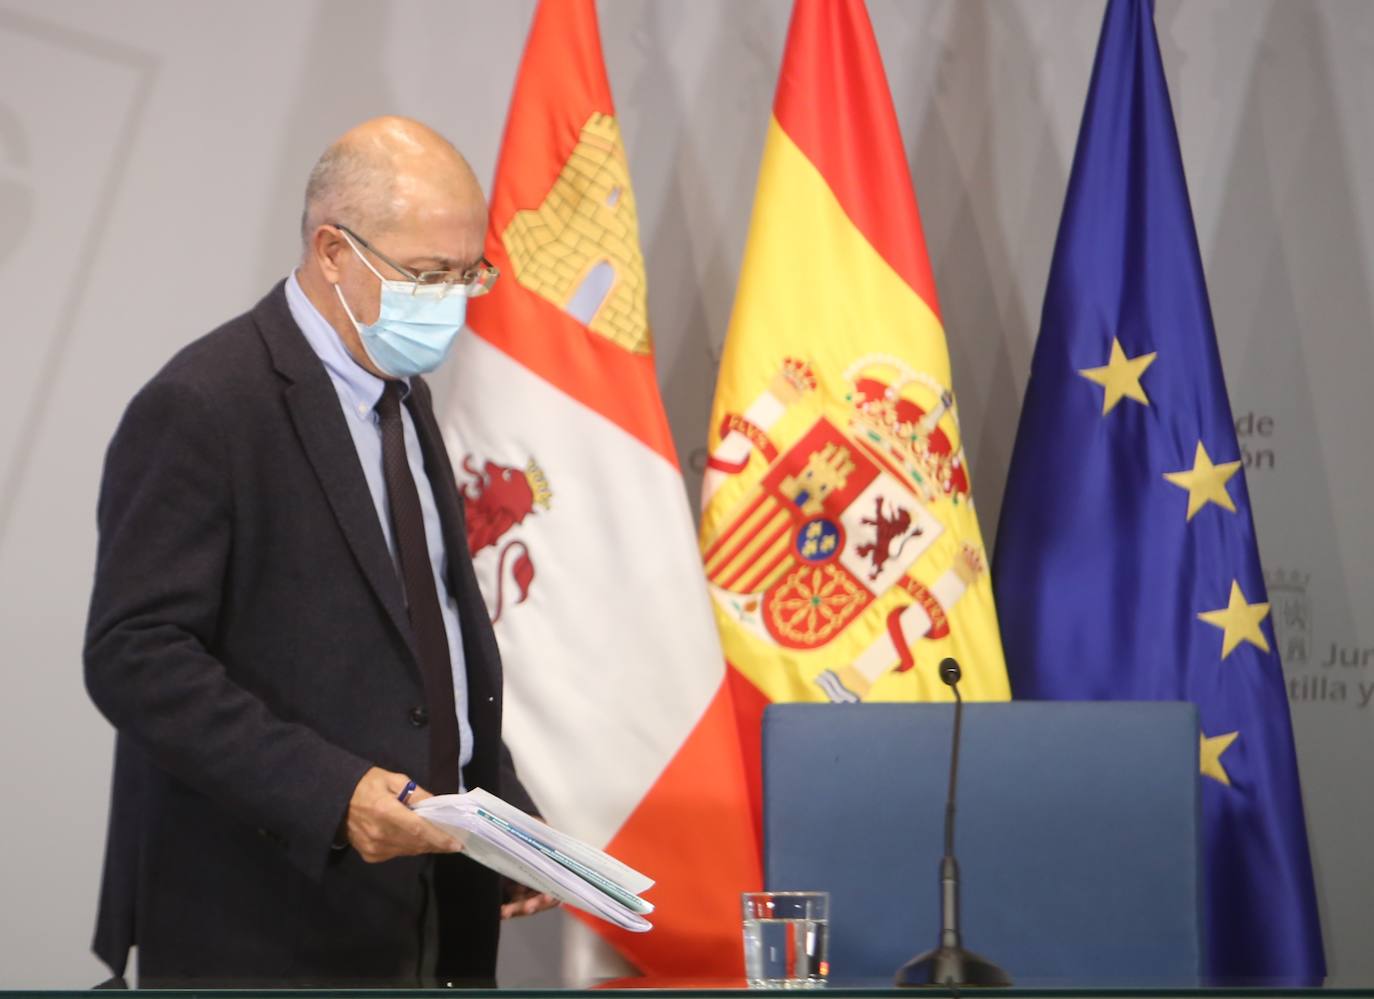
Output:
(841, 519)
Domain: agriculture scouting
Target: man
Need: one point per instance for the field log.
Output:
(285, 627)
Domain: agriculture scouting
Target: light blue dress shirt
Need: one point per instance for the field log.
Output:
(359, 390)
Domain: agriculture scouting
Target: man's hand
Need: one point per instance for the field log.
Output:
(522, 901)
(380, 827)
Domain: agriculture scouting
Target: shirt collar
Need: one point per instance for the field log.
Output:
(362, 387)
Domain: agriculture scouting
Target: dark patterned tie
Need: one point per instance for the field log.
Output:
(422, 601)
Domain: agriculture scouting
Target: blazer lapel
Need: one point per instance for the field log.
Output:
(314, 407)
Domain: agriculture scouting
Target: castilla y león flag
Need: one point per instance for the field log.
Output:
(616, 706)
(839, 535)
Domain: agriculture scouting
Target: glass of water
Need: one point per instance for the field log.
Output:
(785, 939)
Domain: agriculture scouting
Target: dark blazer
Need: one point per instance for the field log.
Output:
(248, 639)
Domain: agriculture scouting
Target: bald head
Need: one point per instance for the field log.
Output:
(377, 173)
(411, 198)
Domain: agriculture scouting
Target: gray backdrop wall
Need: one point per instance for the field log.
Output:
(152, 156)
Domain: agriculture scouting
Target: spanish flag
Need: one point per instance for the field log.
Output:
(839, 535)
(617, 707)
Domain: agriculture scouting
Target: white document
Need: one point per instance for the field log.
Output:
(500, 836)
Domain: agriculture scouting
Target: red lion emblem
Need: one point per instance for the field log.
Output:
(497, 499)
(889, 529)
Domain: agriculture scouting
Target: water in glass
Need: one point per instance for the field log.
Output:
(785, 939)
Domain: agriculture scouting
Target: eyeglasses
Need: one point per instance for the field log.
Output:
(477, 279)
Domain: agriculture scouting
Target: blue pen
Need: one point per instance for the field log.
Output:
(406, 792)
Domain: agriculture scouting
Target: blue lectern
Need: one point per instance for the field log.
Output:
(1077, 835)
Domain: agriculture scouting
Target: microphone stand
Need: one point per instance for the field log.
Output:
(949, 963)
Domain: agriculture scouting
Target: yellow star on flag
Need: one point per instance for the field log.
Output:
(1239, 621)
(1120, 377)
(1206, 483)
(1210, 752)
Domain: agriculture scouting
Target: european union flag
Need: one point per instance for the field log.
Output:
(1126, 565)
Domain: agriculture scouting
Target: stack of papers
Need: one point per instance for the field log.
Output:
(507, 840)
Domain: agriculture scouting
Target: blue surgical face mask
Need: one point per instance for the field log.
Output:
(415, 327)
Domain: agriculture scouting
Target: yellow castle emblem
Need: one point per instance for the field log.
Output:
(579, 249)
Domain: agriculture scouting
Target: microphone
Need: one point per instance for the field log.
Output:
(949, 963)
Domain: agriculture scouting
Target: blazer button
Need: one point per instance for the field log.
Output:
(419, 717)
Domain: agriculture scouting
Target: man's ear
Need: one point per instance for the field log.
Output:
(328, 247)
